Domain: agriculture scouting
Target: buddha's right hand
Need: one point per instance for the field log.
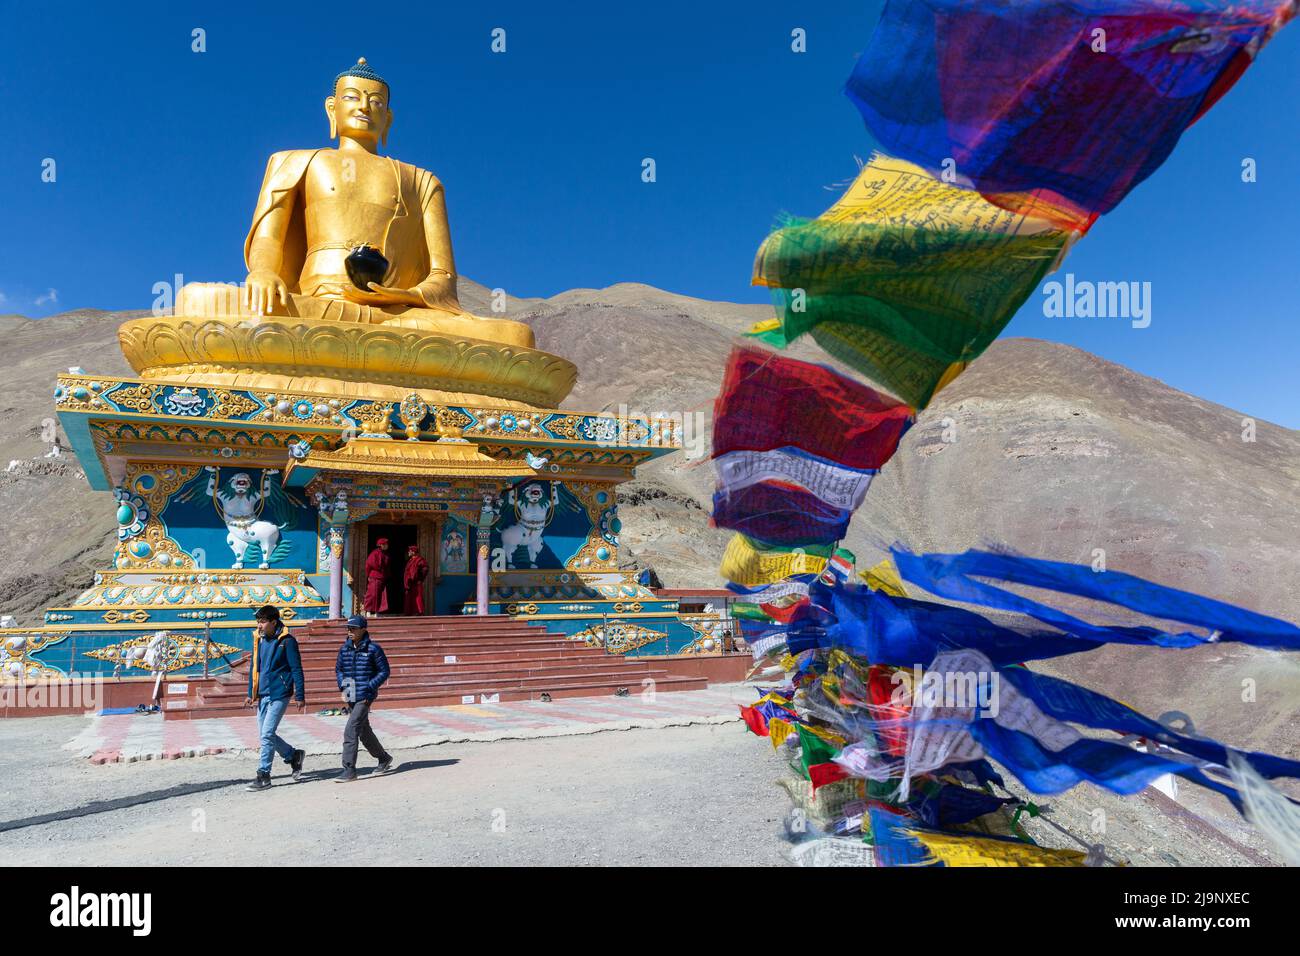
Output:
(261, 289)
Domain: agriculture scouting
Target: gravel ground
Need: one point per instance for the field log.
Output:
(608, 798)
(695, 795)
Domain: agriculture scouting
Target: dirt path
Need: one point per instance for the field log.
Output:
(685, 796)
(695, 795)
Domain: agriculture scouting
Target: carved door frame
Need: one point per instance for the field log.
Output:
(428, 533)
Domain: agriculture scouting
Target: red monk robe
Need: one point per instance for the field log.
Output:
(417, 569)
(377, 578)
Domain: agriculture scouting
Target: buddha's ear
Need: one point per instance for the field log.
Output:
(329, 111)
(383, 137)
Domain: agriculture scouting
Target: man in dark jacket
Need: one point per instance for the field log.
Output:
(361, 668)
(275, 676)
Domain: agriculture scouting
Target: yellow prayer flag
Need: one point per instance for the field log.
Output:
(955, 850)
(767, 325)
(825, 734)
(838, 658)
(749, 567)
(778, 730)
(884, 577)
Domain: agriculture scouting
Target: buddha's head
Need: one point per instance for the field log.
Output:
(358, 108)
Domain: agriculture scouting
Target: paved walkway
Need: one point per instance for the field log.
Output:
(130, 737)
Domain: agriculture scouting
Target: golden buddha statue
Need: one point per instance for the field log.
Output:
(302, 321)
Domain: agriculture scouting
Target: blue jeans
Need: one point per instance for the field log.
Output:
(269, 713)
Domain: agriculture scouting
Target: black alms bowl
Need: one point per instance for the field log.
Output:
(366, 264)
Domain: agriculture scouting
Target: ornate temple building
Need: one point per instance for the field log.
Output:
(277, 429)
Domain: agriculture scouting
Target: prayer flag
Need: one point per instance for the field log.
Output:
(770, 402)
(1052, 107)
(959, 849)
(750, 563)
(906, 279)
(954, 576)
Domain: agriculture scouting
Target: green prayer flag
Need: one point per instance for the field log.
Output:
(815, 749)
(906, 278)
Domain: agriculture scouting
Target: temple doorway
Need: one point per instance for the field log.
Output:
(401, 534)
(400, 538)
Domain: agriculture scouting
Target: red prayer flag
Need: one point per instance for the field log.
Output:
(821, 774)
(754, 720)
(880, 689)
(769, 401)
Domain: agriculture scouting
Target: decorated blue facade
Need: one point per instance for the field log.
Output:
(226, 499)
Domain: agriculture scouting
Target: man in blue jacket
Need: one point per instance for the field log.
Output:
(276, 675)
(361, 668)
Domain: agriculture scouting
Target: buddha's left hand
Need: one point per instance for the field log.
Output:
(382, 295)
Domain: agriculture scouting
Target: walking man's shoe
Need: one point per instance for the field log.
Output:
(385, 765)
(347, 776)
(296, 763)
(261, 782)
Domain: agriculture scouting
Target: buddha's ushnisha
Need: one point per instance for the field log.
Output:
(317, 206)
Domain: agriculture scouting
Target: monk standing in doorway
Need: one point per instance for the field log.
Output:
(417, 569)
(377, 578)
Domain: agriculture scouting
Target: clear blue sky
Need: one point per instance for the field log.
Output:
(160, 152)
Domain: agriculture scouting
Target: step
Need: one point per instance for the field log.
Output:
(328, 687)
(442, 699)
(437, 654)
(417, 661)
(384, 624)
(418, 664)
(461, 657)
(328, 683)
(390, 618)
(334, 640)
(408, 640)
(396, 623)
(331, 650)
(539, 640)
(440, 656)
(405, 643)
(484, 667)
(403, 661)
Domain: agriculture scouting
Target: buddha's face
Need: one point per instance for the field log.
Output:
(359, 110)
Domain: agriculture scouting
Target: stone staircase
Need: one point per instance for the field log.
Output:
(442, 660)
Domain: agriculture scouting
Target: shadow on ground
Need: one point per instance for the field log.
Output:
(186, 789)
